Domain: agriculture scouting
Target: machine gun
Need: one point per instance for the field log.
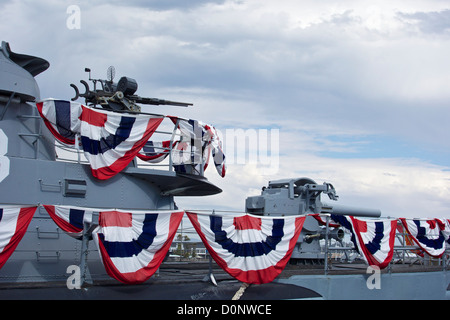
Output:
(117, 96)
(300, 196)
(303, 196)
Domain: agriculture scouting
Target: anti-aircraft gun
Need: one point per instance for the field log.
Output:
(118, 96)
(303, 196)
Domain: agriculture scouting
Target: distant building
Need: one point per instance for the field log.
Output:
(188, 249)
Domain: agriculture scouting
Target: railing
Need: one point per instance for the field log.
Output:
(172, 150)
(403, 254)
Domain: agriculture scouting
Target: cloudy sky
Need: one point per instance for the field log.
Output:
(357, 92)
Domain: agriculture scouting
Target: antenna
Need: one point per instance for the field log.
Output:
(88, 70)
(110, 73)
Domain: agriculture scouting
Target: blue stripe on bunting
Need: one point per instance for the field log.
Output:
(63, 121)
(252, 249)
(122, 133)
(375, 245)
(134, 247)
(150, 149)
(76, 218)
(372, 246)
(346, 224)
(431, 243)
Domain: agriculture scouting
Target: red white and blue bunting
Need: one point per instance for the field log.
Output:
(70, 219)
(110, 141)
(373, 239)
(14, 222)
(427, 234)
(197, 140)
(251, 249)
(444, 225)
(62, 118)
(155, 151)
(321, 219)
(217, 152)
(134, 244)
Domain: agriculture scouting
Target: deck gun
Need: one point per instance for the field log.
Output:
(303, 196)
(118, 96)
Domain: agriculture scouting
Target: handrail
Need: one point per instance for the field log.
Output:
(328, 246)
(185, 153)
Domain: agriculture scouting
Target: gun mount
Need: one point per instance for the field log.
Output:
(300, 196)
(118, 96)
(303, 196)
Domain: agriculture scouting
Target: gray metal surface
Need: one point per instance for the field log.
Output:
(31, 173)
(299, 196)
(393, 286)
(18, 71)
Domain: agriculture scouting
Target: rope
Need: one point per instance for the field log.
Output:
(240, 292)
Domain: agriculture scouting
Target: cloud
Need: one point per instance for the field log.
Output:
(435, 22)
(398, 187)
(161, 5)
(356, 91)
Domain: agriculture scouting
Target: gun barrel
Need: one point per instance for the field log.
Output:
(154, 101)
(350, 211)
(336, 233)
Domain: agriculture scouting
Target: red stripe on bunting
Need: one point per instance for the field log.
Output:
(146, 272)
(50, 127)
(93, 117)
(23, 221)
(63, 224)
(432, 223)
(269, 274)
(252, 276)
(116, 219)
(247, 222)
(361, 227)
(120, 164)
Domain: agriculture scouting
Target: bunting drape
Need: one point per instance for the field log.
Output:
(251, 249)
(62, 118)
(70, 219)
(134, 244)
(197, 140)
(427, 234)
(14, 221)
(444, 225)
(374, 239)
(322, 221)
(217, 153)
(155, 151)
(110, 140)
